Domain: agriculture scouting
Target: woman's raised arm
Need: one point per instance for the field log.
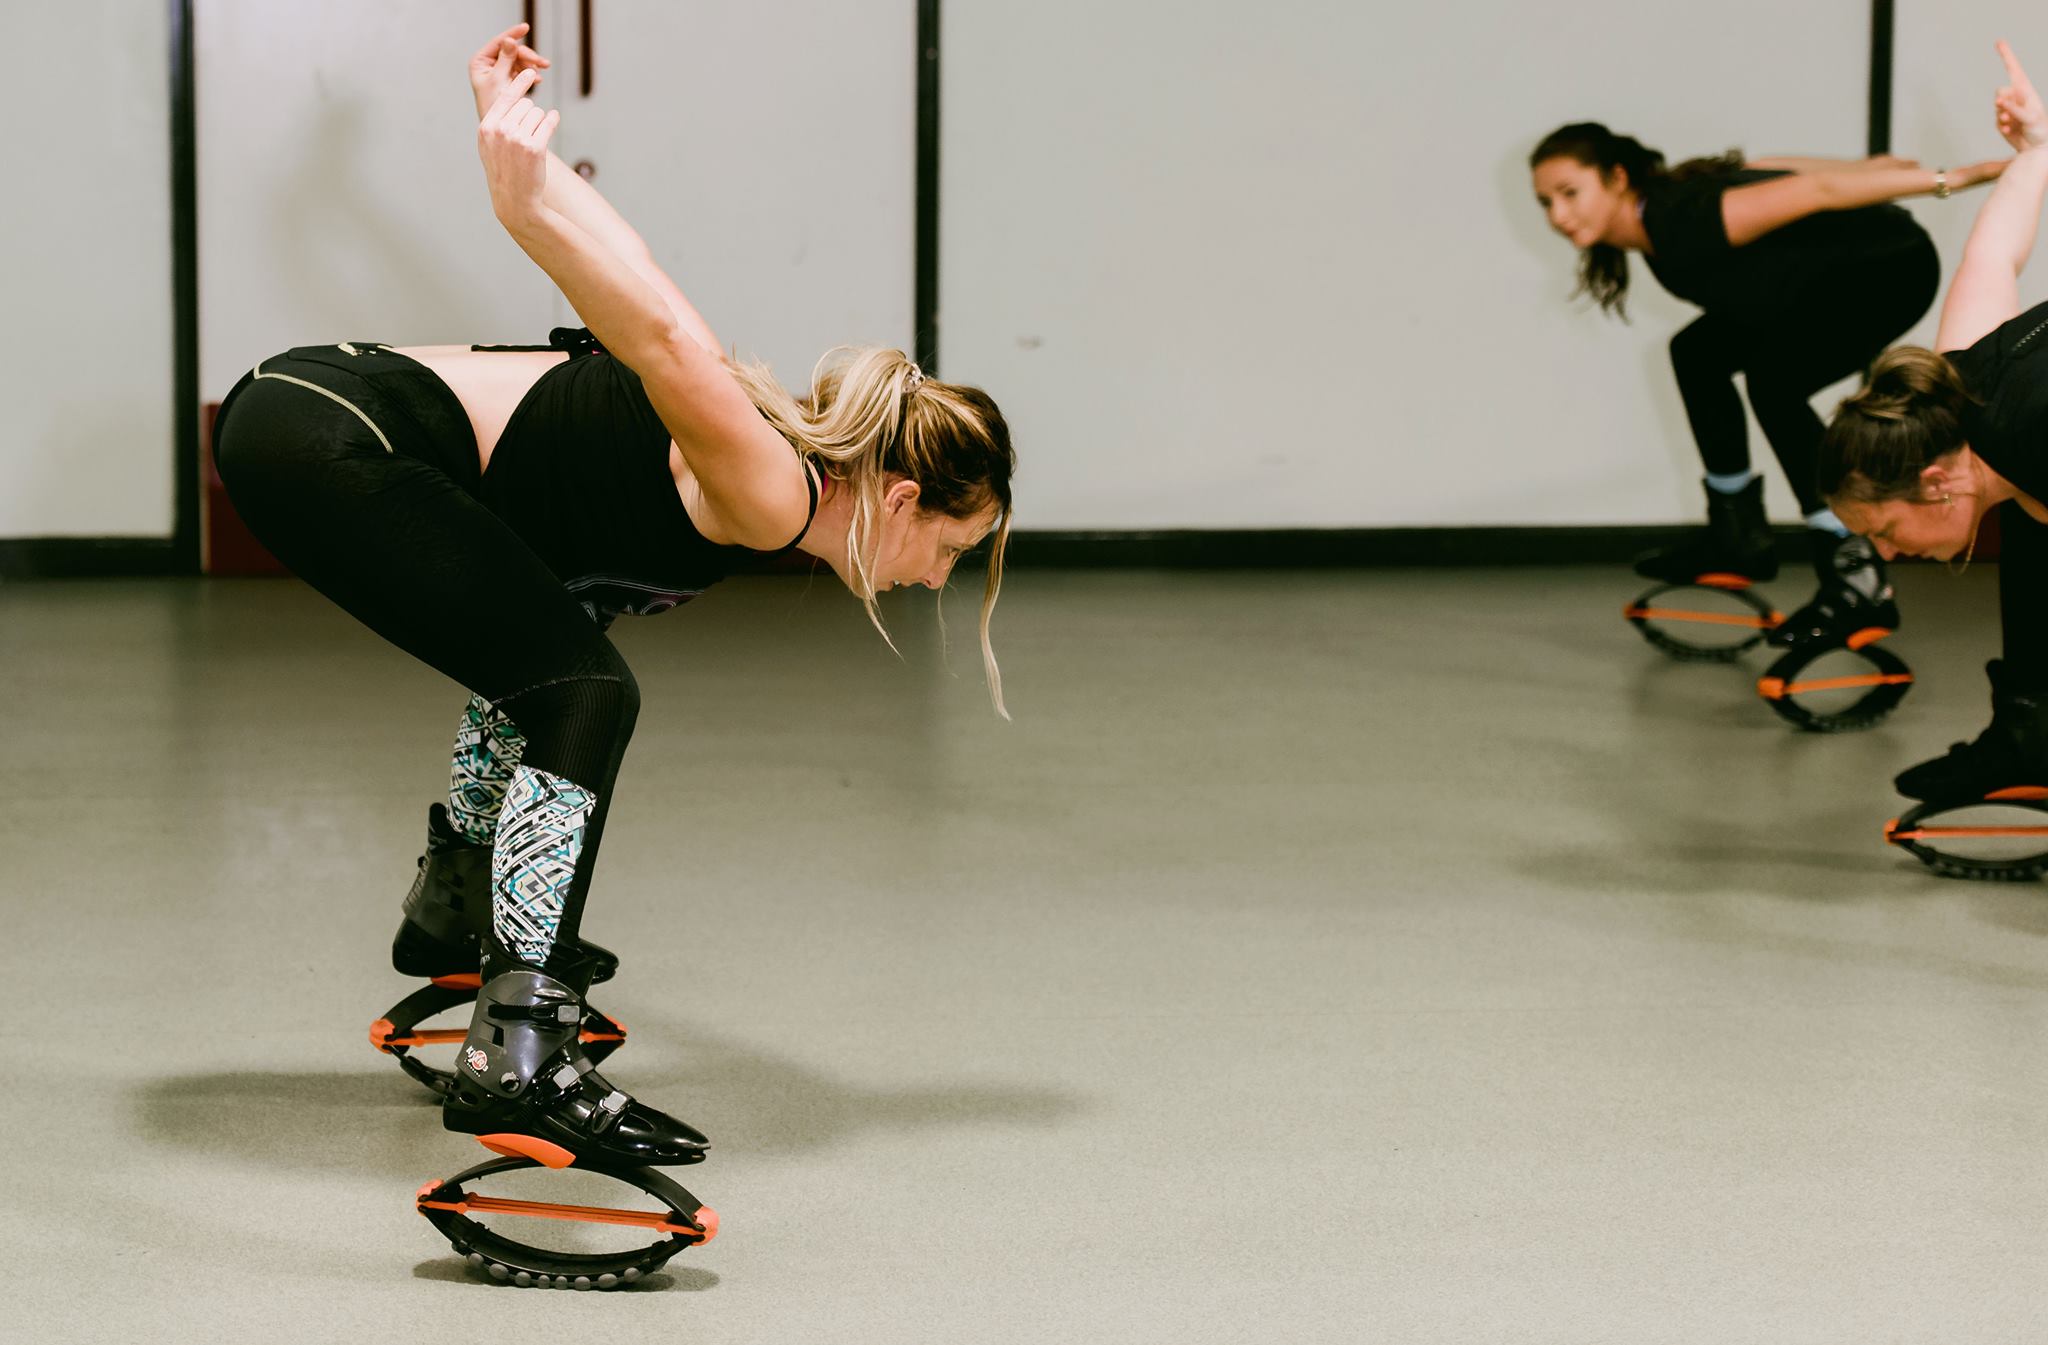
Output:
(754, 490)
(1986, 289)
(490, 70)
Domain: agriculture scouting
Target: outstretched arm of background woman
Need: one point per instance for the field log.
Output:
(1795, 163)
(490, 70)
(1986, 289)
(749, 488)
(1751, 211)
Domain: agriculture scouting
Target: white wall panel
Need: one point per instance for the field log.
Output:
(765, 151)
(1244, 266)
(86, 346)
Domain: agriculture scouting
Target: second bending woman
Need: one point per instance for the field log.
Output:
(1805, 273)
(1935, 442)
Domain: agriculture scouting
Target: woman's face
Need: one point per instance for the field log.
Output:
(1579, 202)
(1939, 528)
(917, 547)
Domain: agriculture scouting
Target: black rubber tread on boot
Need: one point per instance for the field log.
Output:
(1855, 595)
(524, 1086)
(1737, 540)
(448, 909)
(2013, 750)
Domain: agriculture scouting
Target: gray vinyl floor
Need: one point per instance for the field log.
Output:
(1395, 956)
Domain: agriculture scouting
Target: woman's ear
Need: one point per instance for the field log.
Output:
(901, 494)
(1938, 480)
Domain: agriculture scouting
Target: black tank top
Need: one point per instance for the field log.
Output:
(582, 474)
(2007, 370)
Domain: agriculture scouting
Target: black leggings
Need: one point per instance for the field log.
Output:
(357, 467)
(2022, 576)
(1837, 328)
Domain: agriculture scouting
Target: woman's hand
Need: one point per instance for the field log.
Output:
(1976, 174)
(2022, 118)
(512, 140)
(497, 61)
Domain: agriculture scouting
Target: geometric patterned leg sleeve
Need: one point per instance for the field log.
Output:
(487, 751)
(533, 860)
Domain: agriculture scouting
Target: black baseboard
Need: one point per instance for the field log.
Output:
(1191, 549)
(89, 557)
(1351, 548)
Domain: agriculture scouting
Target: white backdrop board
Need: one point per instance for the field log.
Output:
(86, 350)
(1269, 266)
(766, 152)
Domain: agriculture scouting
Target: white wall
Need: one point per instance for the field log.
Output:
(765, 151)
(1241, 266)
(1223, 267)
(86, 341)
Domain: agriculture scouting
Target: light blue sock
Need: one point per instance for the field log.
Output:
(1824, 520)
(1730, 483)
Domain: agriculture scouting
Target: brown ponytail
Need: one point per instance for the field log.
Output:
(1913, 410)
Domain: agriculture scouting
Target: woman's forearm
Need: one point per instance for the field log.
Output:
(1851, 188)
(1794, 163)
(570, 196)
(626, 314)
(2008, 222)
(584, 206)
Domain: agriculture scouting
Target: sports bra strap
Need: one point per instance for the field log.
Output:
(811, 484)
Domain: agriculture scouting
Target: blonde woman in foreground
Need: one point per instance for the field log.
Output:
(489, 510)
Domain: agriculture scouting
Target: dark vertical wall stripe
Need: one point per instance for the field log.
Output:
(184, 294)
(1880, 135)
(926, 313)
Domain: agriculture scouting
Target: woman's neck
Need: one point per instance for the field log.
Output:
(1994, 490)
(1626, 229)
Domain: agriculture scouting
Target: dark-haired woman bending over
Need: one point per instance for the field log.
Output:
(1936, 441)
(1805, 273)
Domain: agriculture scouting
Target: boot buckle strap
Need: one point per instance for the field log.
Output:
(555, 1014)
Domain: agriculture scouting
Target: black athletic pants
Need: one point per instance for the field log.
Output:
(358, 469)
(1835, 328)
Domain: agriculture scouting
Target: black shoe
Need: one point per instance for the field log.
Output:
(2012, 751)
(448, 909)
(524, 1086)
(1855, 596)
(1737, 540)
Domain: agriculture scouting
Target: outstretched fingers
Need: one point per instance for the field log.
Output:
(2014, 71)
(510, 96)
(512, 39)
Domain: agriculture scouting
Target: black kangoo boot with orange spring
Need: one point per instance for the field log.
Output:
(2001, 836)
(1737, 541)
(1834, 676)
(525, 1086)
(447, 919)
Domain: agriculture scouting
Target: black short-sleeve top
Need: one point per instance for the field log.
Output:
(1691, 256)
(2007, 371)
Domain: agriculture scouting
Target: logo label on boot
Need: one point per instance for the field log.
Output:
(475, 1058)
